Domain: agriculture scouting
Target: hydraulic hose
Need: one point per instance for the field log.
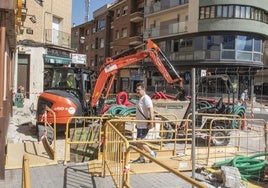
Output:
(249, 167)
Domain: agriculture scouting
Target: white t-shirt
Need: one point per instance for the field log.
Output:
(145, 102)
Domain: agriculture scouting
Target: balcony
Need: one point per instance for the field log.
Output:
(57, 38)
(136, 17)
(166, 30)
(135, 40)
(160, 6)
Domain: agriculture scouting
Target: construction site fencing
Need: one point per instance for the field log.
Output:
(114, 140)
(234, 142)
(26, 176)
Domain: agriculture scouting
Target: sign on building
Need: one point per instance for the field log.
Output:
(79, 59)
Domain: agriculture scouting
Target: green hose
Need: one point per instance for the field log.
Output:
(110, 101)
(128, 110)
(249, 167)
(236, 110)
(134, 101)
(116, 109)
(203, 104)
(121, 110)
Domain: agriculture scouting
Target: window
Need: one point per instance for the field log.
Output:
(224, 11)
(93, 30)
(101, 43)
(87, 47)
(219, 11)
(118, 13)
(101, 24)
(228, 42)
(233, 11)
(124, 32)
(88, 32)
(96, 43)
(237, 11)
(230, 11)
(76, 33)
(244, 43)
(92, 46)
(125, 10)
(212, 12)
(207, 12)
(248, 12)
(117, 34)
(257, 45)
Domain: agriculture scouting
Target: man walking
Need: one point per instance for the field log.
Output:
(144, 111)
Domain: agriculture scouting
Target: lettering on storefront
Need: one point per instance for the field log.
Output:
(58, 53)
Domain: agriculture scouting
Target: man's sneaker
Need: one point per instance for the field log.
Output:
(139, 160)
(153, 155)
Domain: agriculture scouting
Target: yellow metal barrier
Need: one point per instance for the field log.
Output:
(87, 133)
(254, 134)
(114, 157)
(26, 177)
(51, 151)
(119, 136)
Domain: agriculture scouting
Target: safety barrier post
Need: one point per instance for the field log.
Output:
(26, 179)
(266, 139)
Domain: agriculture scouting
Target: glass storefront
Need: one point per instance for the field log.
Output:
(215, 47)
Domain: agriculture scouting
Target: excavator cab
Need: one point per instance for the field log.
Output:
(65, 95)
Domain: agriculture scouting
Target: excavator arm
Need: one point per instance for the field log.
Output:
(111, 67)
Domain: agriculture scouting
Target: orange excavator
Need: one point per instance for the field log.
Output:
(109, 69)
(69, 101)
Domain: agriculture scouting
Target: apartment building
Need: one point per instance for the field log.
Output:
(209, 34)
(115, 28)
(126, 33)
(44, 41)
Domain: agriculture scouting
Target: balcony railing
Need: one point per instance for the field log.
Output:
(165, 30)
(136, 17)
(135, 40)
(159, 6)
(58, 38)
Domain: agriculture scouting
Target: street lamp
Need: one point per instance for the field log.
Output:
(82, 40)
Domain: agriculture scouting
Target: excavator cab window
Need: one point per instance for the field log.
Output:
(64, 78)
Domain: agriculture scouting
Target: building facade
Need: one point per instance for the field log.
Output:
(10, 20)
(44, 41)
(115, 28)
(213, 36)
(210, 34)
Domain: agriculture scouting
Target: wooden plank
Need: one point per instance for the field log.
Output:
(36, 152)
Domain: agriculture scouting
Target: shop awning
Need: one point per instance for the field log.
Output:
(57, 60)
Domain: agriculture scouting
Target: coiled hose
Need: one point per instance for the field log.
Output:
(121, 110)
(250, 168)
(236, 110)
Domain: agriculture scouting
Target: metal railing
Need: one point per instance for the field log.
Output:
(87, 136)
(114, 156)
(57, 37)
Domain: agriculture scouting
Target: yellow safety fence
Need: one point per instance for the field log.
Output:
(117, 138)
(85, 136)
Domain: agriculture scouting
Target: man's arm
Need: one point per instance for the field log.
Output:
(151, 113)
